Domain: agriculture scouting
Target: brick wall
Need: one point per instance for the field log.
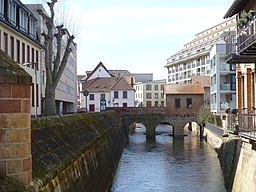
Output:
(15, 122)
(197, 102)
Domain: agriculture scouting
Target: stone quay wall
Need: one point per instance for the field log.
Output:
(237, 157)
(76, 152)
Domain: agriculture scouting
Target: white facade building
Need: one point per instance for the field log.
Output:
(104, 90)
(194, 58)
(19, 40)
(223, 81)
(150, 94)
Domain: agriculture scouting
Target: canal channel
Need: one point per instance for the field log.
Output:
(167, 165)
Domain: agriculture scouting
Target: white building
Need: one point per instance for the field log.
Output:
(19, 40)
(223, 81)
(104, 90)
(150, 93)
(194, 58)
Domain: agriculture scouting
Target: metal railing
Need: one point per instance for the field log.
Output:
(242, 123)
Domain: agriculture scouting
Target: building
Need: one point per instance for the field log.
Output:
(142, 77)
(18, 38)
(194, 58)
(223, 81)
(184, 99)
(203, 80)
(150, 93)
(66, 91)
(100, 90)
(241, 50)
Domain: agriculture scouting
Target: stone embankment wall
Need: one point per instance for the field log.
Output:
(77, 152)
(237, 158)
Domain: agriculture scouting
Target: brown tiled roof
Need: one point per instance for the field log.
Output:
(106, 84)
(183, 89)
(202, 80)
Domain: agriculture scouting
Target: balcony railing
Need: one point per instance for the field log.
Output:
(242, 123)
(224, 86)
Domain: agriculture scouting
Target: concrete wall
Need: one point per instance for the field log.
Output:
(77, 152)
(237, 158)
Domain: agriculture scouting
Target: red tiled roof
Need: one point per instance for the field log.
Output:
(183, 89)
(202, 80)
(106, 84)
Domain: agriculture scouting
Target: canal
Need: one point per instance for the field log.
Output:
(167, 165)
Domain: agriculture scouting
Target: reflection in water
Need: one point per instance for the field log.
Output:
(168, 165)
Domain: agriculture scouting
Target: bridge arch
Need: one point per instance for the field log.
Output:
(151, 117)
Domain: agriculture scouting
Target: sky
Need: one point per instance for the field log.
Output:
(137, 35)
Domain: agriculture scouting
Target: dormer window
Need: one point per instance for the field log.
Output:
(32, 26)
(23, 20)
(1, 8)
(12, 12)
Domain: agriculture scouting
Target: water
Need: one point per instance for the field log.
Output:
(168, 165)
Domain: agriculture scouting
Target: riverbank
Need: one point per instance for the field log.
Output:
(237, 158)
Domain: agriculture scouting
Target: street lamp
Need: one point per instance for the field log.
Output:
(35, 89)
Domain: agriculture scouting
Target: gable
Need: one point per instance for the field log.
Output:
(99, 71)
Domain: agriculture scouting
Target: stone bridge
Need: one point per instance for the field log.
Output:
(151, 117)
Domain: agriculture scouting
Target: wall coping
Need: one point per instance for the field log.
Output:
(11, 72)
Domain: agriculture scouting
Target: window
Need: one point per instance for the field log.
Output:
(156, 87)
(162, 87)
(12, 47)
(156, 103)
(189, 102)
(124, 104)
(28, 53)
(91, 96)
(102, 97)
(115, 94)
(148, 96)
(32, 27)
(5, 43)
(177, 103)
(23, 20)
(156, 95)
(148, 87)
(23, 53)
(162, 95)
(18, 50)
(12, 12)
(1, 8)
(125, 94)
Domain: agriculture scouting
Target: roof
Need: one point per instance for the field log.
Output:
(185, 89)
(236, 7)
(107, 84)
(94, 70)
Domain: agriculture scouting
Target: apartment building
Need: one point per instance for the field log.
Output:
(66, 91)
(194, 58)
(150, 93)
(241, 50)
(19, 40)
(223, 81)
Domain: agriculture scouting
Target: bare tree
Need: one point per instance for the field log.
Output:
(56, 56)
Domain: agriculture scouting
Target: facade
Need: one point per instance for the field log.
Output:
(150, 93)
(241, 50)
(100, 90)
(194, 58)
(19, 40)
(142, 77)
(223, 81)
(183, 99)
(66, 91)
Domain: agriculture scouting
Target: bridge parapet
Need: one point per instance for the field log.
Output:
(138, 110)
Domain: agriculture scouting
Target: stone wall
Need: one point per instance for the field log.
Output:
(237, 157)
(77, 152)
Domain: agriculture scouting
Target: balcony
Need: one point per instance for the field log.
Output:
(224, 86)
(242, 49)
